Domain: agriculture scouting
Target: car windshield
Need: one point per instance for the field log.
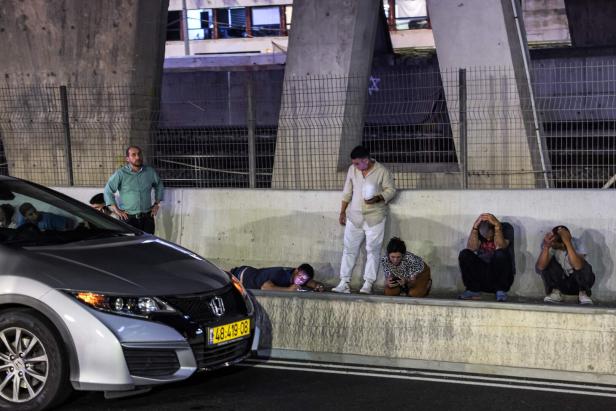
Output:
(32, 215)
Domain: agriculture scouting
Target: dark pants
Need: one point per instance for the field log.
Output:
(143, 221)
(579, 280)
(477, 275)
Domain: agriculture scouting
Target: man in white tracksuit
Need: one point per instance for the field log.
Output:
(368, 189)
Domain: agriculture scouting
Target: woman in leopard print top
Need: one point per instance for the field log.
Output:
(404, 271)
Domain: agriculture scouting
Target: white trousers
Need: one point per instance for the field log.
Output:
(353, 237)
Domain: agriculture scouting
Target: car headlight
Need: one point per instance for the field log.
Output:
(124, 305)
(250, 307)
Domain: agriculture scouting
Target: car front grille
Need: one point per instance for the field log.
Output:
(151, 363)
(213, 357)
(197, 307)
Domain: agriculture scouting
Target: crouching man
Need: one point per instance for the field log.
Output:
(563, 267)
(487, 263)
(278, 278)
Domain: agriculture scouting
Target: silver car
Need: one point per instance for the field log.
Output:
(90, 303)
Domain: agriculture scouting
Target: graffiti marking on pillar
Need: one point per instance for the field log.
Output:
(374, 85)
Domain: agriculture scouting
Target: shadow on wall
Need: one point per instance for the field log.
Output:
(435, 242)
(526, 283)
(601, 261)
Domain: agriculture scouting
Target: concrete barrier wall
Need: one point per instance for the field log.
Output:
(268, 227)
(547, 342)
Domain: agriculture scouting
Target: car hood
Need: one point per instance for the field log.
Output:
(135, 266)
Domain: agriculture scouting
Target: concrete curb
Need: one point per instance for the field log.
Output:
(565, 343)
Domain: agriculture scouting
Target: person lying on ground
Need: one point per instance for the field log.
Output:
(278, 278)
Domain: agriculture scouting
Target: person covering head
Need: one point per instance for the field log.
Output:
(563, 267)
(486, 230)
(487, 263)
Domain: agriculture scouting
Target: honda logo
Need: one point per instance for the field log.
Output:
(218, 306)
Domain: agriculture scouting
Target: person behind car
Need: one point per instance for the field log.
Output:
(44, 220)
(404, 271)
(487, 262)
(134, 182)
(98, 202)
(278, 278)
(563, 267)
(7, 212)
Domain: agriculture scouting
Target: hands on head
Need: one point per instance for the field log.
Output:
(486, 217)
(548, 240)
(558, 235)
(564, 234)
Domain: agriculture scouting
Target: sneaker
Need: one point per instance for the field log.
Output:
(366, 288)
(584, 298)
(554, 297)
(501, 296)
(470, 295)
(342, 288)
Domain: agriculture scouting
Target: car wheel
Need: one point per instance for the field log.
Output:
(33, 365)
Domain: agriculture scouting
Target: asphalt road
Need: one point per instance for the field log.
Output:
(296, 386)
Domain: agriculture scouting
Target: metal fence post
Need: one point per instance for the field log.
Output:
(463, 126)
(251, 125)
(68, 154)
(185, 29)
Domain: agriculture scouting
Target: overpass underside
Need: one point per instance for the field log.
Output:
(330, 71)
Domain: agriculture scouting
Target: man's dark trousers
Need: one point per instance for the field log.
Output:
(478, 275)
(554, 277)
(143, 221)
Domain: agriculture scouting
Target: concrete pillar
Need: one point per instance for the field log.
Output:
(505, 148)
(591, 22)
(328, 65)
(108, 54)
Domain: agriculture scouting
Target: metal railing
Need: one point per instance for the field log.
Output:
(434, 129)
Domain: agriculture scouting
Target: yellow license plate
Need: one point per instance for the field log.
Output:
(229, 332)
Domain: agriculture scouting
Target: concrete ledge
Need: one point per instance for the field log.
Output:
(525, 340)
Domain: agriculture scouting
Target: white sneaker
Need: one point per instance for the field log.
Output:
(554, 297)
(366, 288)
(342, 288)
(584, 298)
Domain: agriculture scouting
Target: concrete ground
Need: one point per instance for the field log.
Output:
(288, 385)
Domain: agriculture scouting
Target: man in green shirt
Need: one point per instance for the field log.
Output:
(134, 182)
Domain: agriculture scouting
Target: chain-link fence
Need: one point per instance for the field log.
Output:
(435, 129)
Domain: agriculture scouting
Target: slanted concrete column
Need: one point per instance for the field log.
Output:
(505, 148)
(108, 54)
(321, 118)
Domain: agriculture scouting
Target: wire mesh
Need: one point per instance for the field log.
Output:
(198, 129)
